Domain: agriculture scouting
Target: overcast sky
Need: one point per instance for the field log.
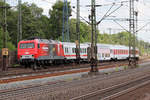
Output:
(108, 26)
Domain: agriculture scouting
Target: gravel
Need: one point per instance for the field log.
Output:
(75, 84)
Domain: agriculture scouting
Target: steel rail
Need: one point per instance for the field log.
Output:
(116, 90)
(55, 68)
(56, 73)
(49, 87)
(126, 91)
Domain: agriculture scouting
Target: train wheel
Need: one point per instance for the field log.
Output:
(34, 66)
(25, 66)
(44, 66)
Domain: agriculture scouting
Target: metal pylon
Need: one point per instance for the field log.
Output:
(65, 28)
(19, 37)
(132, 35)
(94, 38)
(78, 33)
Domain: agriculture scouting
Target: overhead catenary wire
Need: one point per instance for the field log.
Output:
(106, 15)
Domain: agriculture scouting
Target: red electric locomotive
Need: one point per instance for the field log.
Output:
(38, 52)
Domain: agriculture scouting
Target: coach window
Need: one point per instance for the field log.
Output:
(65, 50)
(74, 50)
(111, 51)
(102, 54)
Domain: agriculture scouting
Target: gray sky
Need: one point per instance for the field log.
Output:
(142, 6)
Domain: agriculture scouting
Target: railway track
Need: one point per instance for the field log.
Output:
(45, 74)
(116, 90)
(27, 71)
(28, 93)
(55, 72)
(22, 71)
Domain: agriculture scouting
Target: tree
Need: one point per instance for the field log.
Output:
(31, 21)
(85, 31)
(56, 20)
(9, 42)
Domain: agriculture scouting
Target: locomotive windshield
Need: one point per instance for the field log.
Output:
(26, 45)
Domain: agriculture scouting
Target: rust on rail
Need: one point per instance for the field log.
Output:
(3, 81)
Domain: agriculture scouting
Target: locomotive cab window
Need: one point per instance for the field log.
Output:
(26, 45)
